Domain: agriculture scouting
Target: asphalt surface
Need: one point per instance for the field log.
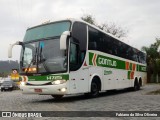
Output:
(120, 100)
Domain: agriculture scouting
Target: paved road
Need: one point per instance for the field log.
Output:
(121, 100)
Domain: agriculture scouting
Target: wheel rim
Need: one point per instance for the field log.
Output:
(94, 89)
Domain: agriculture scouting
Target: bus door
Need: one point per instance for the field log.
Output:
(78, 75)
(79, 81)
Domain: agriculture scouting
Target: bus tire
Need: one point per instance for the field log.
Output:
(136, 85)
(95, 88)
(140, 82)
(57, 97)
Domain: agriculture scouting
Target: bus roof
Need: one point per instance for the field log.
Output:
(79, 20)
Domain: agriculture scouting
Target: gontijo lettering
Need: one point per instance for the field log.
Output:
(108, 62)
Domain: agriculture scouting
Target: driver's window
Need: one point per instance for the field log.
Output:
(27, 56)
(73, 54)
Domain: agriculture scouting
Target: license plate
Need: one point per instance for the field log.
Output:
(38, 90)
(5, 88)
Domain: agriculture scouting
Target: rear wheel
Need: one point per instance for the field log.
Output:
(57, 97)
(136, 86)
(140, 82)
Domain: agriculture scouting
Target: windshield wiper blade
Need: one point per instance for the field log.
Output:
(34, 59)
(42, 60)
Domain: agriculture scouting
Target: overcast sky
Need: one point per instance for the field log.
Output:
(140, 17)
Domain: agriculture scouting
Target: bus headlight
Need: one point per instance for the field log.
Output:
(23, 83)
(57, 82)
(63, 90)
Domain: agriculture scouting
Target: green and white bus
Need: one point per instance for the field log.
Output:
(72, 56)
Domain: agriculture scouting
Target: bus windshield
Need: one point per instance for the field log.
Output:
(47, 31)
(41, 49)
(43, 56)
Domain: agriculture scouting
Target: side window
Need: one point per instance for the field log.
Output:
(79, 32)
(73, 53)
(96, 40)
(107, 44)
(74, 57)
(27, 55)
(93, 37)
(135, 57)
(79, 35)
(142, 57)
(114, 47)
(100, 42)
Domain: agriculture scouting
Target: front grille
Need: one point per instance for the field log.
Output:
(6, 86)
(38, 84)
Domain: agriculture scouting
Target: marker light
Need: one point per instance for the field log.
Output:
(30, 69)
(63, 89)
(57, 82)
(23, 83)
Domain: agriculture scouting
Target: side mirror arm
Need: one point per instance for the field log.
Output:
(11, 46)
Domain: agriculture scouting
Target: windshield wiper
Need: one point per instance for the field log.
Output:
(34, 59)
(42, 60)
(37, 61)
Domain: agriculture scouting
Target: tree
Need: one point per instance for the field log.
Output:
(111, 28)
(89, 18)
(153, 59)
(114, 29)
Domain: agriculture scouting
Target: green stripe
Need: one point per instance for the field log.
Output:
(142, 68)
(130, 66)
(129, 73)
(110, 62)
(137, 67)
(49, 77)
(105, 61)
(90, 58)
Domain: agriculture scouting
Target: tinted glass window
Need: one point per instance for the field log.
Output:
(142, 57)
(79, 32)
(102, 42)
(93, 38)
(46, 31)
(79, 36)
(73, 54)
(105, 43)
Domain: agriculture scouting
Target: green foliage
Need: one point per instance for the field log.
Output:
(88, 18)
(4, 74)
(7, 66)
(153, 58)
(111, 28)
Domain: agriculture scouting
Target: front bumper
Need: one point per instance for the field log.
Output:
(45, 89)
(6, 88)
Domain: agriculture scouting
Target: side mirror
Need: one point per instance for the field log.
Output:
(10, 48)
(63, 40)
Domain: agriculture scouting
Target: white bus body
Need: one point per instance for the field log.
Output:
(90, 64)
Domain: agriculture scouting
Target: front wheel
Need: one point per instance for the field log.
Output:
(94, 89)
(57, 97)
